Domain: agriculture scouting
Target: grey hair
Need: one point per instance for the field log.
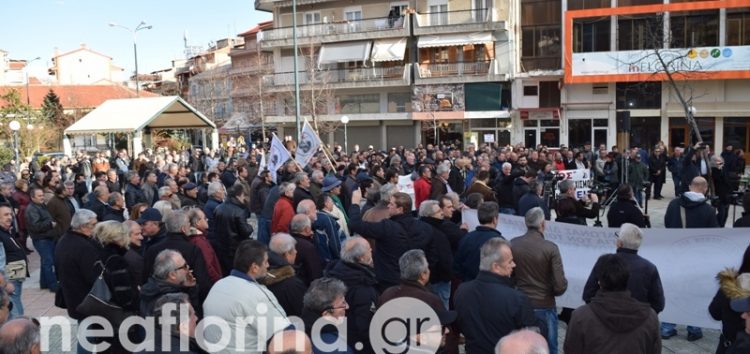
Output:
(715, 159)
(453, 196)
(164, 190)
(22, 341)
(355, 252)
(565, 185)
(214, 187)
(631, 236)
(111, 232)
(442, 168)
(176, 220)
(322, 293)
(176, 299)
(113, 198)
(286, 187)
(412, 264)
(164, 263)
(490, 253)
(536, 344)
(317, 173)
(68, 183)
(427, 207)
(129, 224)
(534, 218)
(282, 243)
(506, 164)
(304, 208)
(387, 190)
(299, 176)
(82, 217)
(10, 185)
(164, 207)
(299, 224)
(130, 175)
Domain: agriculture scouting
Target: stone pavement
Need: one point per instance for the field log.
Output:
(40, 303)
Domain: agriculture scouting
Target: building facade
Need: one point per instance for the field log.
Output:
(84, 66)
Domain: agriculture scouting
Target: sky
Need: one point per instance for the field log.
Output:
(33, 28)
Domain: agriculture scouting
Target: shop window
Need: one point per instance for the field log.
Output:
(736, 132)
(738, 28)
(638, 95)
(639, 32)
(591, 35)
(694, 30)
(545, 132)
(549, 94)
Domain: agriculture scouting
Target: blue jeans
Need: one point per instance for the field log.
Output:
(16, 298)
(264, 230)
(677, 185)
(443, 291)
(667, 327)
(509, 211)
(549, 316)
(638, 196)
(47, 276)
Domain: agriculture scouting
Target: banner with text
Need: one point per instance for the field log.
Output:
(688, 261)
(581, 178)
(406, 185)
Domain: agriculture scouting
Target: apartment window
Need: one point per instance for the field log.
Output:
(542, 41)
(638, 32)
(399, 102)
(359, 103)
(438, 13)
(635, 95)
(591, 35)
(587, 4)
(694, 30)
(441, 55)
(530, 91)
(535, 12)
(481, 10)
(549, 94)
(312, 18)
(354, 16)
(738, 28)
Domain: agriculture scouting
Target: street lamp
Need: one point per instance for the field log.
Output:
(14, 126)
(28, 97)
(345, 121)
(141, 26)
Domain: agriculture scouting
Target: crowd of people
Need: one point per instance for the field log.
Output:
(216, 232)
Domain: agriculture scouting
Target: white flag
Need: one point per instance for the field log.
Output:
(262, 160)
(308, 145)
(277, 156)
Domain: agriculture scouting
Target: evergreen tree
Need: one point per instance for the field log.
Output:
(52, 110)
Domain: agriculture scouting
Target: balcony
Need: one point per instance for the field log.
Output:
(264, 67)
(456, 22)
(336, 31)
(475, 71)
(342, 78)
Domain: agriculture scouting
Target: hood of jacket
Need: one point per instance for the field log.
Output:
(618, 311)
(279, 268)
(353, 274)
(691, 200)
(730, 286)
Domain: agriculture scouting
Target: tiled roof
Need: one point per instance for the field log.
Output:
(75, 96)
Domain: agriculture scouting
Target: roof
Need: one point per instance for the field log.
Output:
(260, 26)
(134, 114)
(80, 49)
(17, 64)
(74, 96)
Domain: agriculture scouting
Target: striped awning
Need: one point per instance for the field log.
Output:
(452, 40)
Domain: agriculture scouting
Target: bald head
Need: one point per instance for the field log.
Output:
(699, 185)
(20, 336)
(290, 342)
(522, 342)
(307, 207)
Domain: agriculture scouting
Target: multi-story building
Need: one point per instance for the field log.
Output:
(12, 71)
(84, 66)
(614, 80)
(401, 71)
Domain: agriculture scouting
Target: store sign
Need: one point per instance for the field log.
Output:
(701, 59)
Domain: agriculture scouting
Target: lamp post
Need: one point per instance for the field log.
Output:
(141, 26)
(14, 126)
(28, 62)
(345, 121)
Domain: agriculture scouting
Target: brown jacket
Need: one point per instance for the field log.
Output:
(413, 290)
(479, 187)
(539, 270)
(60, 213)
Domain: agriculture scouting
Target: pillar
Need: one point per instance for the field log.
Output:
(214, 139)
(67, 149)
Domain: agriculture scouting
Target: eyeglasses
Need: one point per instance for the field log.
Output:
(343, 306)
(184, 266)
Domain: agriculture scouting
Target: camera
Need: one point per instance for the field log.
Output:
(598, 188)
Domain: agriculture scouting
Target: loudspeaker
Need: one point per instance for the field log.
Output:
(623, 121)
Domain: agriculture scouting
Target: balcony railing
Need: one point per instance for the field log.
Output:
(334, 76)
(336, 27)
(450, 18)
(454, 69)
(251, 69)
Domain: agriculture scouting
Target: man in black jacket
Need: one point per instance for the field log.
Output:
(441, 271)
(283, 282)
(170, 274)
(178, 227)
(133, 192)
(75, 256)
(492, 292)
(568, 191)
(41, 228)
(625, 210)
(532, 199)
(230, 219)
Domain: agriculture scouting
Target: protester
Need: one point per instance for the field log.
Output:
(624, 209)
(326, 299)
(733, 284)
(75, 257)
(168, 310)
(522, 342)
(283, 280)
(467, 258)
(230, 220)
(171, 274)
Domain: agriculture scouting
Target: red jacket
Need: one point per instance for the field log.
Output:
(559, 165)
(209, 256)
(422, 189)
(283, 212)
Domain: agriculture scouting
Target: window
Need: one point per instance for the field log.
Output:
(591, 35)
(534, 12)
(359, 104)
(434, 102)
(399, 102)
(541, 42)
(438, 14)
(530, 90)
(587, 4)
(636, 95)
(738, 28)
(736, 132)
(549, 94)
(636, 32)
(354, 16)
(694, 30)
(481, 10)
(312, 18)
(545, 132)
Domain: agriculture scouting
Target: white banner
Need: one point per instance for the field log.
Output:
(406, 185)
(688, 261)
(581, 178)
(645, 61)
(309, 142)
(277, 155)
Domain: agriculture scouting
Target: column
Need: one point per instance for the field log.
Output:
(214, 139)
(137, 143)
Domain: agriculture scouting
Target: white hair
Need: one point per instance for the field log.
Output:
(630, 236)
